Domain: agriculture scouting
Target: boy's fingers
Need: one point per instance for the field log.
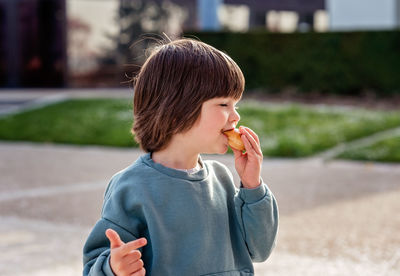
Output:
(115, 240)
(133, 245)
(136, 266)
(251, 144)
(253, 141)
(141, 272)
(247, 143)
(252, 133)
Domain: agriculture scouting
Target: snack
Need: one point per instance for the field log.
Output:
(234, 139)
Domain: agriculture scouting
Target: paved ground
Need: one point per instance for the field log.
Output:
(337, 218)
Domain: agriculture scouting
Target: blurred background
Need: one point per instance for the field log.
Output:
(322, 92)
(353, 45)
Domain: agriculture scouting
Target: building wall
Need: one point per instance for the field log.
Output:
(300, 6)
(398, 13)
(363, 14)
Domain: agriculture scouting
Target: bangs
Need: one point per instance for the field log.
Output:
(228, 80)
(222, 77)
(200, 71)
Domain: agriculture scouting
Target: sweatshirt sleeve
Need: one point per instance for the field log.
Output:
(96, 252)
(121, 213)
(257, 213)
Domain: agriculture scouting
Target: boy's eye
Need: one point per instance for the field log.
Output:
(225, 105)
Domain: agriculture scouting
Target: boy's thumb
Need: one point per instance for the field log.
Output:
(115, 240)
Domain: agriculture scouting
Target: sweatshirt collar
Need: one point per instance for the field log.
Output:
(197, 176)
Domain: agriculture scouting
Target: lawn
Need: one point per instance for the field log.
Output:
(85, 122)
(387, 150)
(287, 130)
(292, 130)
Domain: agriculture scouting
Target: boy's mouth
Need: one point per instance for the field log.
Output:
(228, 129)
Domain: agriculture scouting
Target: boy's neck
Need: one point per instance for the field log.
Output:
(176, 156)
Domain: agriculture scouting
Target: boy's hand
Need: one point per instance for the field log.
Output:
(125, 258)
(248, 164)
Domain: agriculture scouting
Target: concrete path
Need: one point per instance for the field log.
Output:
(337, 218)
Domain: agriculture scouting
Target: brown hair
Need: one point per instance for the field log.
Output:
(172, 85)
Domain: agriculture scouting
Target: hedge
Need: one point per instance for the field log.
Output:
(338, 63)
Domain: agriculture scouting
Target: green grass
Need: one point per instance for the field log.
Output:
(387, 150)
(299, 131)
(95, 122)
(285, 130)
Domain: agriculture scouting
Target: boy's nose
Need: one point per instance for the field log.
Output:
(235, 117)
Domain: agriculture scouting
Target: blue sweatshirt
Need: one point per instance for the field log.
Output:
(195, 224)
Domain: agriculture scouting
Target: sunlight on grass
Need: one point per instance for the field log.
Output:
(293, 130)
(285, 130)
(387, 150)
(97, 122)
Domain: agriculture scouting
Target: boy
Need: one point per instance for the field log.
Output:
(181, 215)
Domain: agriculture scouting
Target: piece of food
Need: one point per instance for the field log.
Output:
(234, 139)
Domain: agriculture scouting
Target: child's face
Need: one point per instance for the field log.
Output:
(217, 115)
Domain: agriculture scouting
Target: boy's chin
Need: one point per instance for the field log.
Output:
(221, 150)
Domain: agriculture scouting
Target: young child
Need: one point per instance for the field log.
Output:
(170, 212)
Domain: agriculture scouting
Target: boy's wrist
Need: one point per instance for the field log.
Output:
(252, 185)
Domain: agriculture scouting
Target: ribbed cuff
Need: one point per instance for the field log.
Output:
(253, 195)
(107, 267)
